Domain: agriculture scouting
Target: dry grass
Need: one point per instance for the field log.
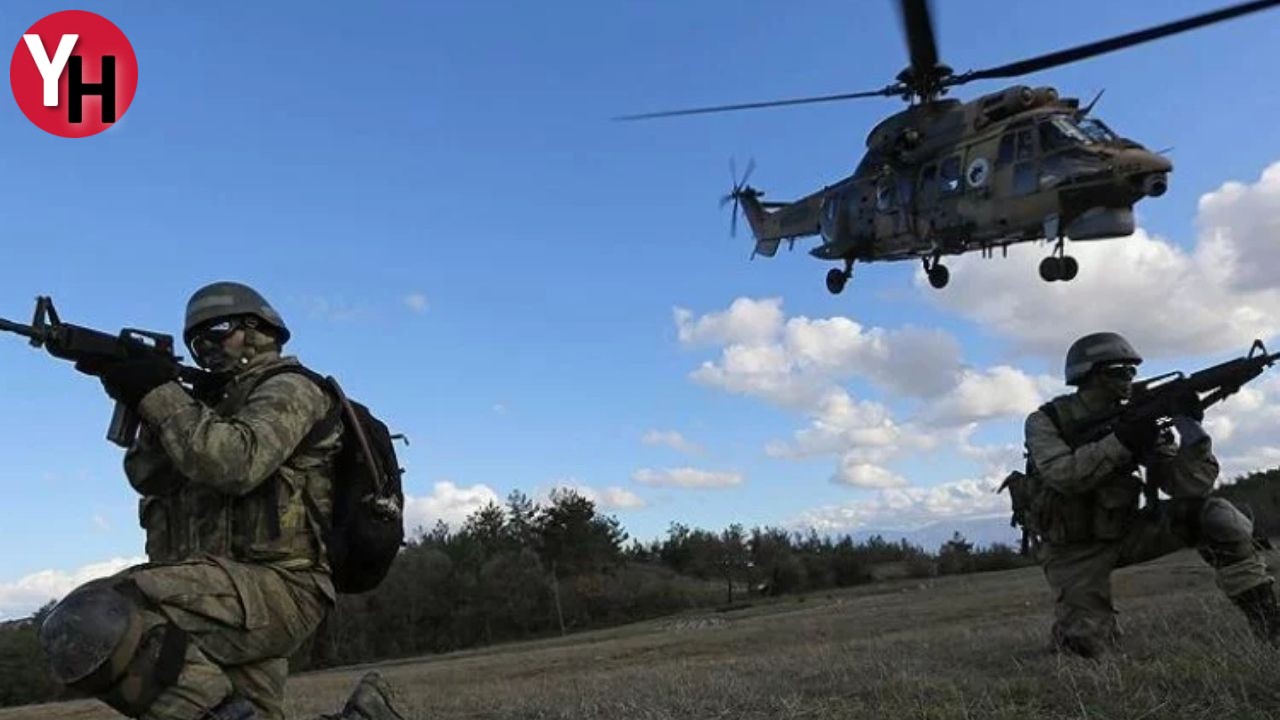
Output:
(958, 647)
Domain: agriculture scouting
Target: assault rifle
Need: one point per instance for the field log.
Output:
(1158, 399)
(100, 350)
(1155, 400)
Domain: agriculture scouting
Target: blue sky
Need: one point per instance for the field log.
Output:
(434, 197)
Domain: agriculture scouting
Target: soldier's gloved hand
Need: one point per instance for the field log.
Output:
(130, 380)
(1136, 434)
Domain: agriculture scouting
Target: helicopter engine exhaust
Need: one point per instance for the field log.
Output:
(1155, 185)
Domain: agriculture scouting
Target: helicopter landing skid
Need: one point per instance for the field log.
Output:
(1059, 265)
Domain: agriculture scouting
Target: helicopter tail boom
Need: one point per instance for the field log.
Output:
(773, 222)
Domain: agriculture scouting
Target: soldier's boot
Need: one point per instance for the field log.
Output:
(233, 708)
(371, 700)
(1261, 609)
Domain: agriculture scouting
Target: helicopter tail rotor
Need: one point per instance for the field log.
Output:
(739, 190)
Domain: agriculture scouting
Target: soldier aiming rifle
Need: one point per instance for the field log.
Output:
(1081, 500)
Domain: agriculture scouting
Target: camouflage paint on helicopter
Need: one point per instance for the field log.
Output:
(946, 177)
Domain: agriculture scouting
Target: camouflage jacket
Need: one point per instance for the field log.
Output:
(243, 478)
(1092, 491)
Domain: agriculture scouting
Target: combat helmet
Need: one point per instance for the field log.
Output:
(228, 299)
(1097, 348)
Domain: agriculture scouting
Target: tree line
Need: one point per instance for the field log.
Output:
(524, 569)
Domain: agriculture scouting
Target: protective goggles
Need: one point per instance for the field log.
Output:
(1119, 371)
(209, 338)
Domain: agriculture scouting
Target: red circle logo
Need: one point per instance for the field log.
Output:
(73, 73)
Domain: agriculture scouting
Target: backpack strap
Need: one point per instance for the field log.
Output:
(1051, 411)
(318, 432)
(330, 421)
(342, 407)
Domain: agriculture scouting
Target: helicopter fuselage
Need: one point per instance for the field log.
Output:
(946, 177)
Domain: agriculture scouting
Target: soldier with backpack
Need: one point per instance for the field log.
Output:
(264, 493)
(1080, 499)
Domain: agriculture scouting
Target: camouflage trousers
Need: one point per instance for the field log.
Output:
(243, 621)
(1080, 573)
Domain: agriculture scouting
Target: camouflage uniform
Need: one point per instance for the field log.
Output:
(1091, 523)
(234, 497)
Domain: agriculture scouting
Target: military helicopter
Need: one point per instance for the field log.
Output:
(946, 177)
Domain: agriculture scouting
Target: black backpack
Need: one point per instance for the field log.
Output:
(367, 530)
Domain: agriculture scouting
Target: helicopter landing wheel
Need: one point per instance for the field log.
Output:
(836, 280)
(1050, 269)
(939, 275)
(1070, 268)
(1062, 268)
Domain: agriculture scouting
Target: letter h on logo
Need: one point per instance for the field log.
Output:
(78, 89)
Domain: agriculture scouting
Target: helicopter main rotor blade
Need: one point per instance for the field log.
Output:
(889, 91)
(1070, 55)
(921, 41)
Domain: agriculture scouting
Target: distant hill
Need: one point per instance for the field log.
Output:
(980, 531)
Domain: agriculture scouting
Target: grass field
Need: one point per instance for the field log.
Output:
(956, 647)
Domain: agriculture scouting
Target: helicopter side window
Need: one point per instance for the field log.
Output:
(1005, 156)
(1026, 144)
(927, 176)
(949, 175)
(886, 197)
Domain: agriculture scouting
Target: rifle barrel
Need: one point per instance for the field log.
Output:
(19, 328)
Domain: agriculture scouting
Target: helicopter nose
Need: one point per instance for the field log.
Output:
(1155, 185)
(1148, 172)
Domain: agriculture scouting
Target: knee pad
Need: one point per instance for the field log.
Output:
(1223, 523)
(90, 636)
(97, 643)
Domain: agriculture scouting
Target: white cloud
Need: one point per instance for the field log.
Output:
(100, 522)
(746, 321)
(797, 362)
(840, 423)
(1246, 428)
(671, 439)
(1240, 224)
(447, 502)
(911, 507)
(686, 477)
(416, 302)
(866, 475)
(616, 498)
(24, 596)
(1168, 301)
(500, 409)
(1001, 391)
(609, 499)
(803, 364)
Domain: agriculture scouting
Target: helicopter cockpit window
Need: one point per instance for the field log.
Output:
(1097, 131)
(1059, 132)
(949, 174)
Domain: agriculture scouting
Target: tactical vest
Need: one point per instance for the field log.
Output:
(275, 523)
(1106, 512)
